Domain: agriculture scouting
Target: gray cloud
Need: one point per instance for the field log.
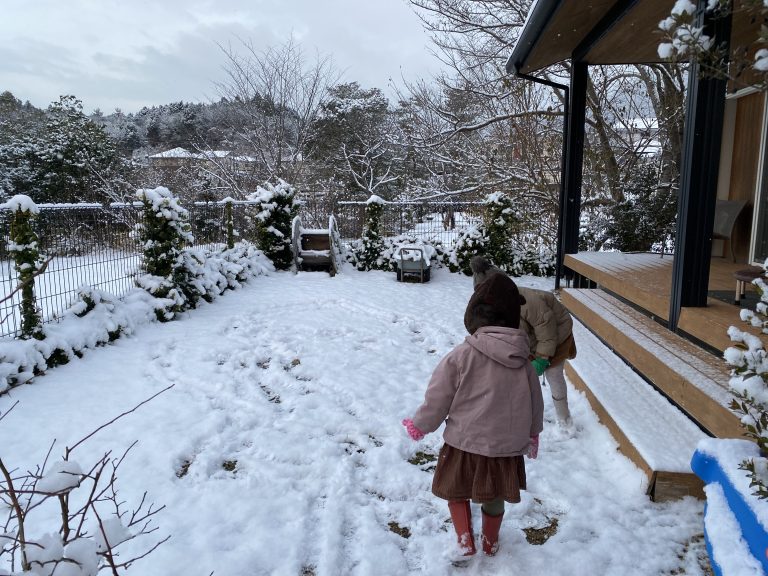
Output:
(133, 54)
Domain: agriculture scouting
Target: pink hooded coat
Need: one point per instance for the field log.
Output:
(489, 392)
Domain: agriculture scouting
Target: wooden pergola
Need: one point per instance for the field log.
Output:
(607, 32)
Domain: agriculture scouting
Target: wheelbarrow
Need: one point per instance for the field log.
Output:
(411, 264)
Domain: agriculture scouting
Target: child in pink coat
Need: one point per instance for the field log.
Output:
(488, 395)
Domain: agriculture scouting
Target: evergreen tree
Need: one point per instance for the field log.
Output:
(71, 159)
(372, 242)
(279, 207)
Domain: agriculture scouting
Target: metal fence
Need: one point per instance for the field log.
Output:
(88, 245)
(91, 245)
(435, 221)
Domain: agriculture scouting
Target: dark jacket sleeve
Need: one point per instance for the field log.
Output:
(537, 402)
(439, 396)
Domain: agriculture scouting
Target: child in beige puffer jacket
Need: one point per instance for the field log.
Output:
(550, 333)
(487, 393)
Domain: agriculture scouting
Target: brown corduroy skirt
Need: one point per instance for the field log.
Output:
(465, 476)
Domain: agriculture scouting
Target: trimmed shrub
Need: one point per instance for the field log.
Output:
(278, 207)
(500, 222)
(23, 245)
(372, 244)
(163, 235)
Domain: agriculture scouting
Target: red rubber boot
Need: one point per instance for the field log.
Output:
(490, 535)
(461, 516)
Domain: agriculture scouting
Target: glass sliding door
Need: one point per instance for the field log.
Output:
(759, 251)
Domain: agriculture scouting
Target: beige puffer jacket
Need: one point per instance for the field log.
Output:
(546, 321)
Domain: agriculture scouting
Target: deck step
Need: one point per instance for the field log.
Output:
(695, 380)
(650, 430)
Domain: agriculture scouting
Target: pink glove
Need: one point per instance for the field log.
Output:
(413, 432)
(533, 447)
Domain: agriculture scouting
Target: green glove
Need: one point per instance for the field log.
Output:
(540, 364)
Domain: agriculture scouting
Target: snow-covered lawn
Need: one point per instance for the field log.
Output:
(299, 383)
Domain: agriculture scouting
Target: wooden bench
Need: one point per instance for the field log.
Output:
(650, 431)
(695, 380)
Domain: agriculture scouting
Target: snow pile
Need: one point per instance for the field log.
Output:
(97, 317)
(21, 203)
(685, 37)
(280, 449)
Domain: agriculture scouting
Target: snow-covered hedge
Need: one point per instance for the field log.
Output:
(388, 252)
(748, 361)
(96, 318)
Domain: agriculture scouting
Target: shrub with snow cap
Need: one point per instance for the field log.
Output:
(372, 245)
(390, 251)
(500, 223)
(748, 361)
(471, 242)
(162, 235)
(278, 207)
(24, 247)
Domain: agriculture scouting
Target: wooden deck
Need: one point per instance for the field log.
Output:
(647, 384)
(645, 280)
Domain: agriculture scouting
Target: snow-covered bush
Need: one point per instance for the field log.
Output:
(66, 519)
(749, 385)
(472, 241)
(683, 39)
(24, 247)
(533, 257)
(163, 235)
(499, 218)
(433, 251)
(372, 245)
(278, 207)
(96, 318)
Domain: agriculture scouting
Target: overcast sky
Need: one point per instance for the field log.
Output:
(134, 53)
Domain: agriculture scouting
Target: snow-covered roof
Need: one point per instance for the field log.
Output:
(174, 153)
(180, 152)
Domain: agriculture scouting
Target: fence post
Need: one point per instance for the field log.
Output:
(230, 224)
(24, 247)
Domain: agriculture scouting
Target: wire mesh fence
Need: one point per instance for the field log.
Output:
(87, 244)
(209, 222)
(435, 221)
(91, 245)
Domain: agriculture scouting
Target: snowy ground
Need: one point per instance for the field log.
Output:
(302, 380)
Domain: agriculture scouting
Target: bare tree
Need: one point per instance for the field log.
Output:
(477, 129)
(276, 95)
